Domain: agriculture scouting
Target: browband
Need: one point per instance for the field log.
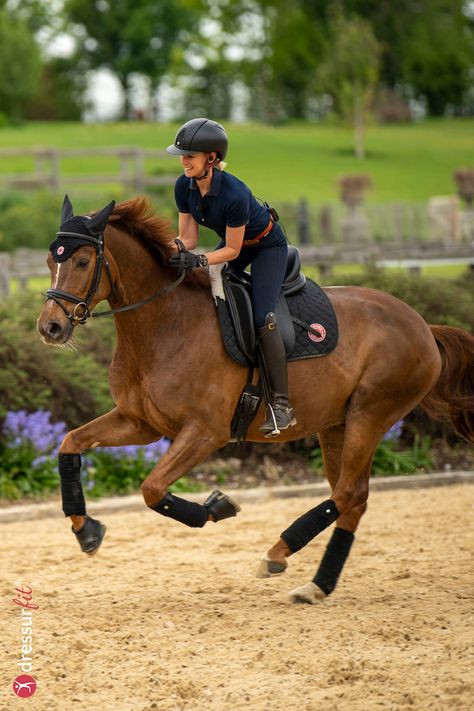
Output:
(78, 235)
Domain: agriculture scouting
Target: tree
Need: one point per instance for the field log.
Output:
(350, 72)
(36, 14)
(20, 65)
(297, 46)
(288, 51)
(428, 46)
(62, 88)
(438, 59)
(127, 36)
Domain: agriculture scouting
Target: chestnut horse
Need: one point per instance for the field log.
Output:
(171, 375)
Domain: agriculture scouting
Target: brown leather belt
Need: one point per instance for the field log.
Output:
(255, 240)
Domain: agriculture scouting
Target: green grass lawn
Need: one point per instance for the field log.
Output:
(409, 162)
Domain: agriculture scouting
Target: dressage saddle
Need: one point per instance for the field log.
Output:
(237, 288)
(301, 304)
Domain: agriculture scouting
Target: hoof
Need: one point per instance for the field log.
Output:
(270, 568)
(221, 506)
(309, 593)
(90, 536)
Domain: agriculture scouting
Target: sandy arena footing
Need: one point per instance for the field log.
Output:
(173, 619)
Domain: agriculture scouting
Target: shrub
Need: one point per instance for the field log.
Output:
(29, 445)
(32, 219)
(73, 385)
(390, 457)
(120, 470)
(28, 220)
(439, 301)
(28, 450)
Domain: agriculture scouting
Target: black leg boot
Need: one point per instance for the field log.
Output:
(280, 412)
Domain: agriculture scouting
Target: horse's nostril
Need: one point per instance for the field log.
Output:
(53, 329)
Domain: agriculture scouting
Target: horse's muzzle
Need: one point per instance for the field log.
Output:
(54, 331)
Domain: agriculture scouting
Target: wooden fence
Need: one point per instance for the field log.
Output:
(48, 172)
(23, 264)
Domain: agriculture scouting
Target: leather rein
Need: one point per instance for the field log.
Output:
(57, 295)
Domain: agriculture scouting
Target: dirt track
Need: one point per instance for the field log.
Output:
(172, 619)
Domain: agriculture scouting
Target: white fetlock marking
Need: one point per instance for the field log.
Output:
(309, 593)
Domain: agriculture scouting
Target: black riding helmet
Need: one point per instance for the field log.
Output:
(200, 135)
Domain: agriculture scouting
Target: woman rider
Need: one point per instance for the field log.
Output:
(207, 195)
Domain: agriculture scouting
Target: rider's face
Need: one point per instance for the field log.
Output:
(194, 165)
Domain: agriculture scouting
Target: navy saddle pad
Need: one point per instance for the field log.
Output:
(304, 313)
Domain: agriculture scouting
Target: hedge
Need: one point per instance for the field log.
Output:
(73, 384)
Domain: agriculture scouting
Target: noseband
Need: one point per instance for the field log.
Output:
(57, 295)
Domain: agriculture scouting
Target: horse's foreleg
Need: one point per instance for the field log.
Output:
(190, 447)
(110, 430)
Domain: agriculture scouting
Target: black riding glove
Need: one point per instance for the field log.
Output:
(185, 261)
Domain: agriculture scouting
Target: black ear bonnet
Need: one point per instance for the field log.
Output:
(78, 231)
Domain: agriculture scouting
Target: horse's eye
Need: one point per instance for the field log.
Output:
(83, 263)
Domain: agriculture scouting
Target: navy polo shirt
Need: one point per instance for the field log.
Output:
(229, 203)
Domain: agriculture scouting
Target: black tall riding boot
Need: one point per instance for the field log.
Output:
(280, 412)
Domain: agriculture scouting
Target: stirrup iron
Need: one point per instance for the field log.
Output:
(275, 432)
(280, 416)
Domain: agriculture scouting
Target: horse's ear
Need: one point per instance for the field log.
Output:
(66, 210)
(96, 225)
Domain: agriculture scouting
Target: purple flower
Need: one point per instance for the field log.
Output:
(150, 452)
(394, 433)
(39, 461)
(34, 428)
(155, 450)
(37, 430)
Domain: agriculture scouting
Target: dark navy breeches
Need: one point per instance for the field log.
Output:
(268, 261)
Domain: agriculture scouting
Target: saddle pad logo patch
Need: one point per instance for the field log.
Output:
(321, 330)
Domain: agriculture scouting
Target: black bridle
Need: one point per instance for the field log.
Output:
(57, 295)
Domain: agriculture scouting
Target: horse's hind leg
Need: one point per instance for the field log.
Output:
(339, 546)
(348, 456)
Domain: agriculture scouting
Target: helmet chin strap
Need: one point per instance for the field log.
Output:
(206, 171)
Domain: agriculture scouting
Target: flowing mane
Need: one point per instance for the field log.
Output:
(137, 217)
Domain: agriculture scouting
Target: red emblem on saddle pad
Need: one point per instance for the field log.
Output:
(321, 330)
(60, 250)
